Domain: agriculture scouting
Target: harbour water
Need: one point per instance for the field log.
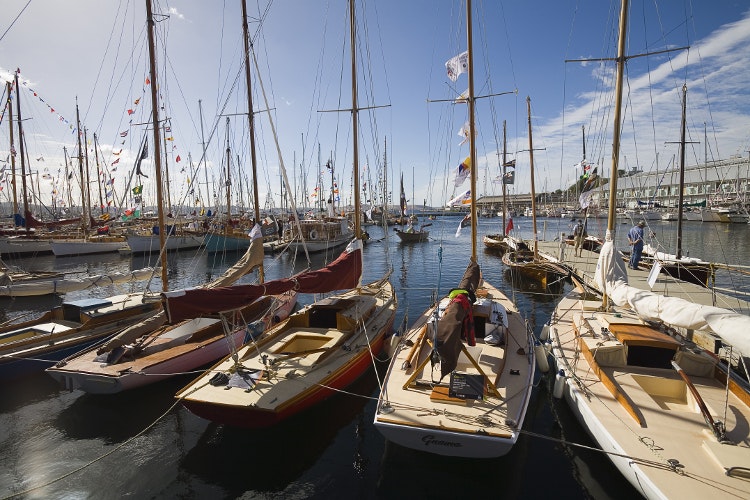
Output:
(143, 444)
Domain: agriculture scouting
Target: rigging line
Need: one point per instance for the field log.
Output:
(14, 21)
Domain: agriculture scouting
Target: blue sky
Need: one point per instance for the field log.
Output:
(96, 52)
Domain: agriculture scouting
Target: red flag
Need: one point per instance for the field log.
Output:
(509, 226)
(148, 82)
(130, 111)
(177, 160)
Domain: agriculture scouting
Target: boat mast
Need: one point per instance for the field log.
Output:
(681, 195)
(616, 130)
(227, 183)
(355, 150)
(23, 162)
(84, 220)
(98, 176)
(157, 142)
(88, 184)
(251, 124)
(12, 148)
(505, 168)
(472, 128)
(533, 191)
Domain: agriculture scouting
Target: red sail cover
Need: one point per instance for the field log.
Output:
(341, 274)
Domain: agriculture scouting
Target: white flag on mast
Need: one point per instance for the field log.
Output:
(457, 65)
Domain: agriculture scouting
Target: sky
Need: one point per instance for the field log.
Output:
(95, 53)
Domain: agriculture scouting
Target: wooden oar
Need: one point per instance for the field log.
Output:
(408, 361)
(716, 427)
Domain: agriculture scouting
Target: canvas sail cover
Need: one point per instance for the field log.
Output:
(343, 273)
(611, 277)
(251, 259)
(451, 324)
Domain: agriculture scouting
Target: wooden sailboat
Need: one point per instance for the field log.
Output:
(318, 350)
(151, 351)
(445, 396)
(410, 234)
(669, 415)
(529, 263)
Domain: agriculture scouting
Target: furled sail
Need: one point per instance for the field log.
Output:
(343, 273)
(611, 277)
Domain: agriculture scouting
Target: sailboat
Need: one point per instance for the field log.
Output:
(317, 351)
(162, 346)
(445, 396)
(665, 412)
(411, 234)
(504, 242)
(529, 263)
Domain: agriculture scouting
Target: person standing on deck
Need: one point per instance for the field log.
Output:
(635, 238)
(578, 238)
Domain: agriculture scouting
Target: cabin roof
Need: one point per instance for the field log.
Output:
(632, 334)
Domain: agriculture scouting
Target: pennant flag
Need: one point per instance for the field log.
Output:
(116, 161)
(463, 132)
(138, 190)
(463, 171)
(117, 153)
(457, 65)
(137, 101)
(509, 225)
(462, 199)
(124, 134)
(510, 164)
(587, 191)
(130, 112)
(177, 160)
(148, 81)
(144, 155)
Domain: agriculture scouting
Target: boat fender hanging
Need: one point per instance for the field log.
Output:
(544, 334)
(313, 234)
(540, 352)
(557, 390)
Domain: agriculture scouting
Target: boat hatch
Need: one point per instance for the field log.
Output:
(342, 314)
(72, 309)
(646, 347)
(668, 393)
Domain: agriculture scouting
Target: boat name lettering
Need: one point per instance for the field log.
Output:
(430, 440)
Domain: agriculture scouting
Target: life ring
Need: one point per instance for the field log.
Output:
(313, 234)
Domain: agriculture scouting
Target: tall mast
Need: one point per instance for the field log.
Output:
(505, 167)
(98, 176)
(12, 148)
(680, 196)
(88, 183)
(472, 128)
(205, 165)
(157, 142)
(251, 123)
(355, 150)
(533, 191)
(23, 160)
(616, 129)
(81, 173)
(228, 184)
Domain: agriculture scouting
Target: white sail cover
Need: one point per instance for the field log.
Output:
(611, 277)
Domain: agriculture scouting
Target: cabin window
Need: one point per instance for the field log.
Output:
(650, 357)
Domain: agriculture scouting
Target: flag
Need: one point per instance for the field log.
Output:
(124, 134)
(462, 98)
(510, 164)
(462, 199)
(509, 177)
(130, 112)
(509, 225)
(464, 222)
(177, 160)
(464, 133)
(462, 171)
(587, 190)
(457, 65)
(116, 162)
(138, 190)
(144, 155)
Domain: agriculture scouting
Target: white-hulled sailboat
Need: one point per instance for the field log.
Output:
(449, 397)
(668, 414)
